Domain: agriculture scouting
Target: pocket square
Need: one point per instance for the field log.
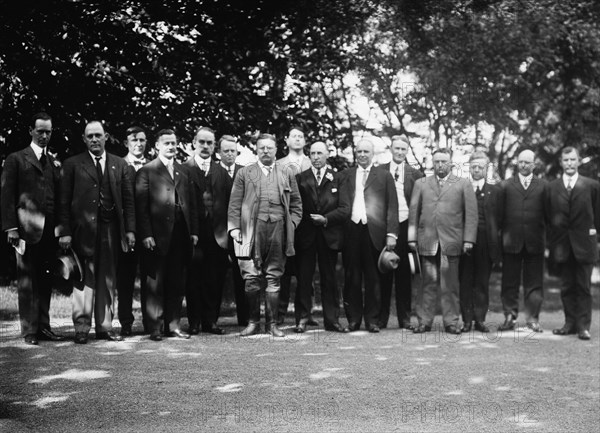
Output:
(333, 190)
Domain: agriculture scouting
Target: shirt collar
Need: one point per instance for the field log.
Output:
(226, 167)
(166, 162)
(102, 157)
(133, 158)
(478, 184)
(525, 178)
(201, 161)
(573, 179)
(369, 167)
(265, 167)
(37, 149)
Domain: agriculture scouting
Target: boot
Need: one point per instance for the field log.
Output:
(272, 304)
(254, 316)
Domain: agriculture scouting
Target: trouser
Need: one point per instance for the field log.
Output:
(475, 270)
(576, 293)
(126, 273)
(532, 267)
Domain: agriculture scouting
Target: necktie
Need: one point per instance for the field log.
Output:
(170, 168)
(364, 178)
(525, 183)
(478, 190)
(205, 167)
(98, 168)
(397, 173)
(43, 159)
(319, 176)
(269, 168)
(569, 186)
(230, 170)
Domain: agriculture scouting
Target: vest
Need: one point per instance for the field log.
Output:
(269, 202)
(48, 186)
(106, 203)
(481, 211)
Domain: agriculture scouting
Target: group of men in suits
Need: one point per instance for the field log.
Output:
(183, 225)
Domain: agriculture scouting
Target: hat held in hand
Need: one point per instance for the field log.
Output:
(388, 261)
(68, 266)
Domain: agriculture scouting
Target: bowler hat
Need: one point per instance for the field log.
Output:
(388, 261)
(68, 266)
(414, 262)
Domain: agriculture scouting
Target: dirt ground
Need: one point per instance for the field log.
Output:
(318, 381)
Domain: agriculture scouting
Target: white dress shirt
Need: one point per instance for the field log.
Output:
(169, 164)
(525, 180)
(359, 210)
(572, 179)
(102, 160)
(402, 205)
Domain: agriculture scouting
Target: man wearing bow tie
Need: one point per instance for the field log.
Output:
(573, 203)
(476, 267)
(522, 222)
(373, 226)
(168, 228)
(29, 190)
(128, 261)
(442, 226)
(96, 216)
(325, 211)
(405, 177)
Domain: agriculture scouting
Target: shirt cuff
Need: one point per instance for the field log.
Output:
(393, 235)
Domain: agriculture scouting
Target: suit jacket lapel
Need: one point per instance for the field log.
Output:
(30, 156)
(434, 184)
(311, 182)
(163, 170)
(576, 189)
(371, 177)
(89, 167)
(448, 183)
(177, 173)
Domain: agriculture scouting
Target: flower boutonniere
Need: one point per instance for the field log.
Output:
(329, 176)
(55, 161)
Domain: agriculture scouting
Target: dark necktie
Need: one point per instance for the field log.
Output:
(478, 190)
(569, 187)
(318, 177)
(43, 159)
(397, 173)
(98, 168)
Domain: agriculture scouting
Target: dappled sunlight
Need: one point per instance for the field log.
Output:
(260, 355)
(347, 348)
(39, 355)
(456, 392)
(74, 375)
(380, 358)
(183, 354)
(232, 387)
(315, 354)
(335, 373)
(476, 380)
(542, 369)
(54, 397)
(503, 388)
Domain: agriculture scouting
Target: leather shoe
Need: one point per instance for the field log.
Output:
(373, 329)
(194, 330)
(300, 328)
(213, 329)
(31, 339)
(109, 335)
(126, 331)
(352, 327)
(280, 320)
(155, 336)
(47, 335)
(312, 321)
(534, 326)
(584, 335)
(81, 338)
(452, 329)
(273, 330)
(336, 327)
(467, 327)
(422, 329)
(479, 326)
(565, 330)
(508, 324)
(178, 333)
(252, 329)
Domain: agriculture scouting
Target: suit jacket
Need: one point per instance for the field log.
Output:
(490, 208)
(330, 199)
(78, 200)
(444, 217)
(243, 206)
(381, 203)
(574, 221)
(293, 167)
(155, 202)
(411, 175)
(522, 218)
(217, 185)
(23, 198)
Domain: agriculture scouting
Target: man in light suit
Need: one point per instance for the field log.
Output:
(264, 210)
(373, 226)
(573, 204)
(295, 162)
(442, 226)
(522, 222)
(129, 260)
(211, 186)
(168, 227)
(325, 211)
(228, 151)
(405, 177)
(476, 267)
(96, 216)
(29, 190)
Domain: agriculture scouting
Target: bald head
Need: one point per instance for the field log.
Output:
(526, 162)
(319, 154)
